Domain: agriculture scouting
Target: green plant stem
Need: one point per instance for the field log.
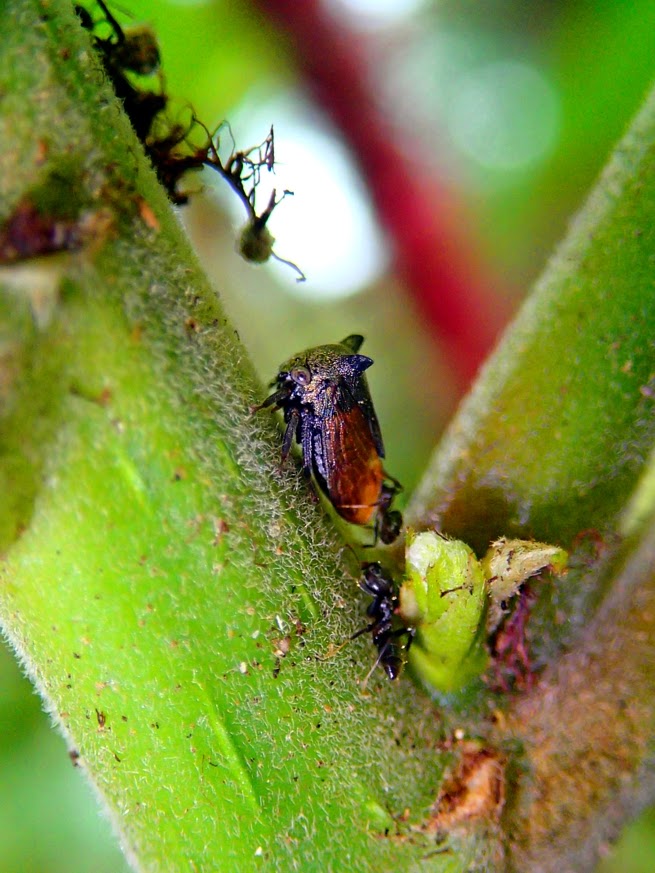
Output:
(555, 435)
(171, 590)
(587, 733)
(157, 563)
(555, 443)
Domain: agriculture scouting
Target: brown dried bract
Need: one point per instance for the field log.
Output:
(511, 665)
(473, 793)
(147, 214)
(28, 233)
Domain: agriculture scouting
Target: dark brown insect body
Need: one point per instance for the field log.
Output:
(328, 410)
(387, 636)
(126, 52)
(133, 50)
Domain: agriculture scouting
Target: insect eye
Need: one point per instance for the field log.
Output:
(301, 375)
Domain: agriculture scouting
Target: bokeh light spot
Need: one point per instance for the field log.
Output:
(378, 13)
(504, 115)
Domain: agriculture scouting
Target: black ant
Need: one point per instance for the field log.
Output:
(133, 50)
(391, 651)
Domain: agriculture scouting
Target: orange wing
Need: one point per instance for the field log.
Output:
(352, 464)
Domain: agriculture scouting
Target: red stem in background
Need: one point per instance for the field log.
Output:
(436, 255)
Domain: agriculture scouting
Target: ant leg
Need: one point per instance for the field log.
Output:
(365, 630)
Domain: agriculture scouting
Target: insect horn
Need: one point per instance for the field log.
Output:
(358, 363)
(353, 342)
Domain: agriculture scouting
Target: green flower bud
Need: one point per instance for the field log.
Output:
(256, 243)
(444, 597)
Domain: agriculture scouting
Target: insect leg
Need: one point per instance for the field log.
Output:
(293, 420)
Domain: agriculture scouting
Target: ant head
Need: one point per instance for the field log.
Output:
(390, 526)
(375, 580)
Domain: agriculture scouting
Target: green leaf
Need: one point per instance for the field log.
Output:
(444, 596)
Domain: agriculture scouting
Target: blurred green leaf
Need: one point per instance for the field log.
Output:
(42, 794)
